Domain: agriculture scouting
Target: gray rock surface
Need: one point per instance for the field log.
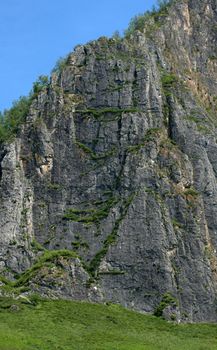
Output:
(117, 161)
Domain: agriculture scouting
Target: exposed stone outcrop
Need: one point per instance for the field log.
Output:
(117, 161)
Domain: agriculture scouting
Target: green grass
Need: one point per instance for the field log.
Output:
(65, 325)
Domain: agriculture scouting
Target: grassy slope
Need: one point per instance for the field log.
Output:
(65, 325)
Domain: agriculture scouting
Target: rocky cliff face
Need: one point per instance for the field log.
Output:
(117, 161)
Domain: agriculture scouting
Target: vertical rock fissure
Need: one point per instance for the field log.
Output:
(2, 155)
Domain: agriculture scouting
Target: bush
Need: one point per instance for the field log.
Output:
(163, 4)
(11, 119)
(138, 22)
(168, 79)
(41, 83)
(116, 36)
(60, 65)
(166, 300)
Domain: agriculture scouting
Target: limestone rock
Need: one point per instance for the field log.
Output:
(117, 161)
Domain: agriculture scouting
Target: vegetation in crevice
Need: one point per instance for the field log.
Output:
(112, 272)
(167, 300)
(150, 135)
(54, 186)
(202, 125)
(79, 243)
(176, 223)
(191, 192)
(91, 215)
(36, 246)
(168, 80)
(100, 112)
(111, 238)
(93, 155)
(47, 257)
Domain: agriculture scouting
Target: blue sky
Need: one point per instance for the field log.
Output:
(35, 33)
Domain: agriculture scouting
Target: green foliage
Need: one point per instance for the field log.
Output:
(191, 192)
(163, 4)
(80, 244)
(74, 325)
(192, 118)
(116, 36)
(111, 238)
(36, 246)
(4, 280)
(167, 300)
(60, 65)
(212, 57)
(168, 79)
(176, 223)
(11, 120)
(54, 186)
(139, 22)
(85, 148)
(112, 272)
(151, 135)
(99, 112)
(92, 154)
(46, 257)
(135, 148)
(204, 129)
(34, 299)
(208, 252)
(91, 215)
(40, 84)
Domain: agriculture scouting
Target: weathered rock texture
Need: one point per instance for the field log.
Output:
(117, 161)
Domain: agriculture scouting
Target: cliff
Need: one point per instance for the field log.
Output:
(108, 192)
